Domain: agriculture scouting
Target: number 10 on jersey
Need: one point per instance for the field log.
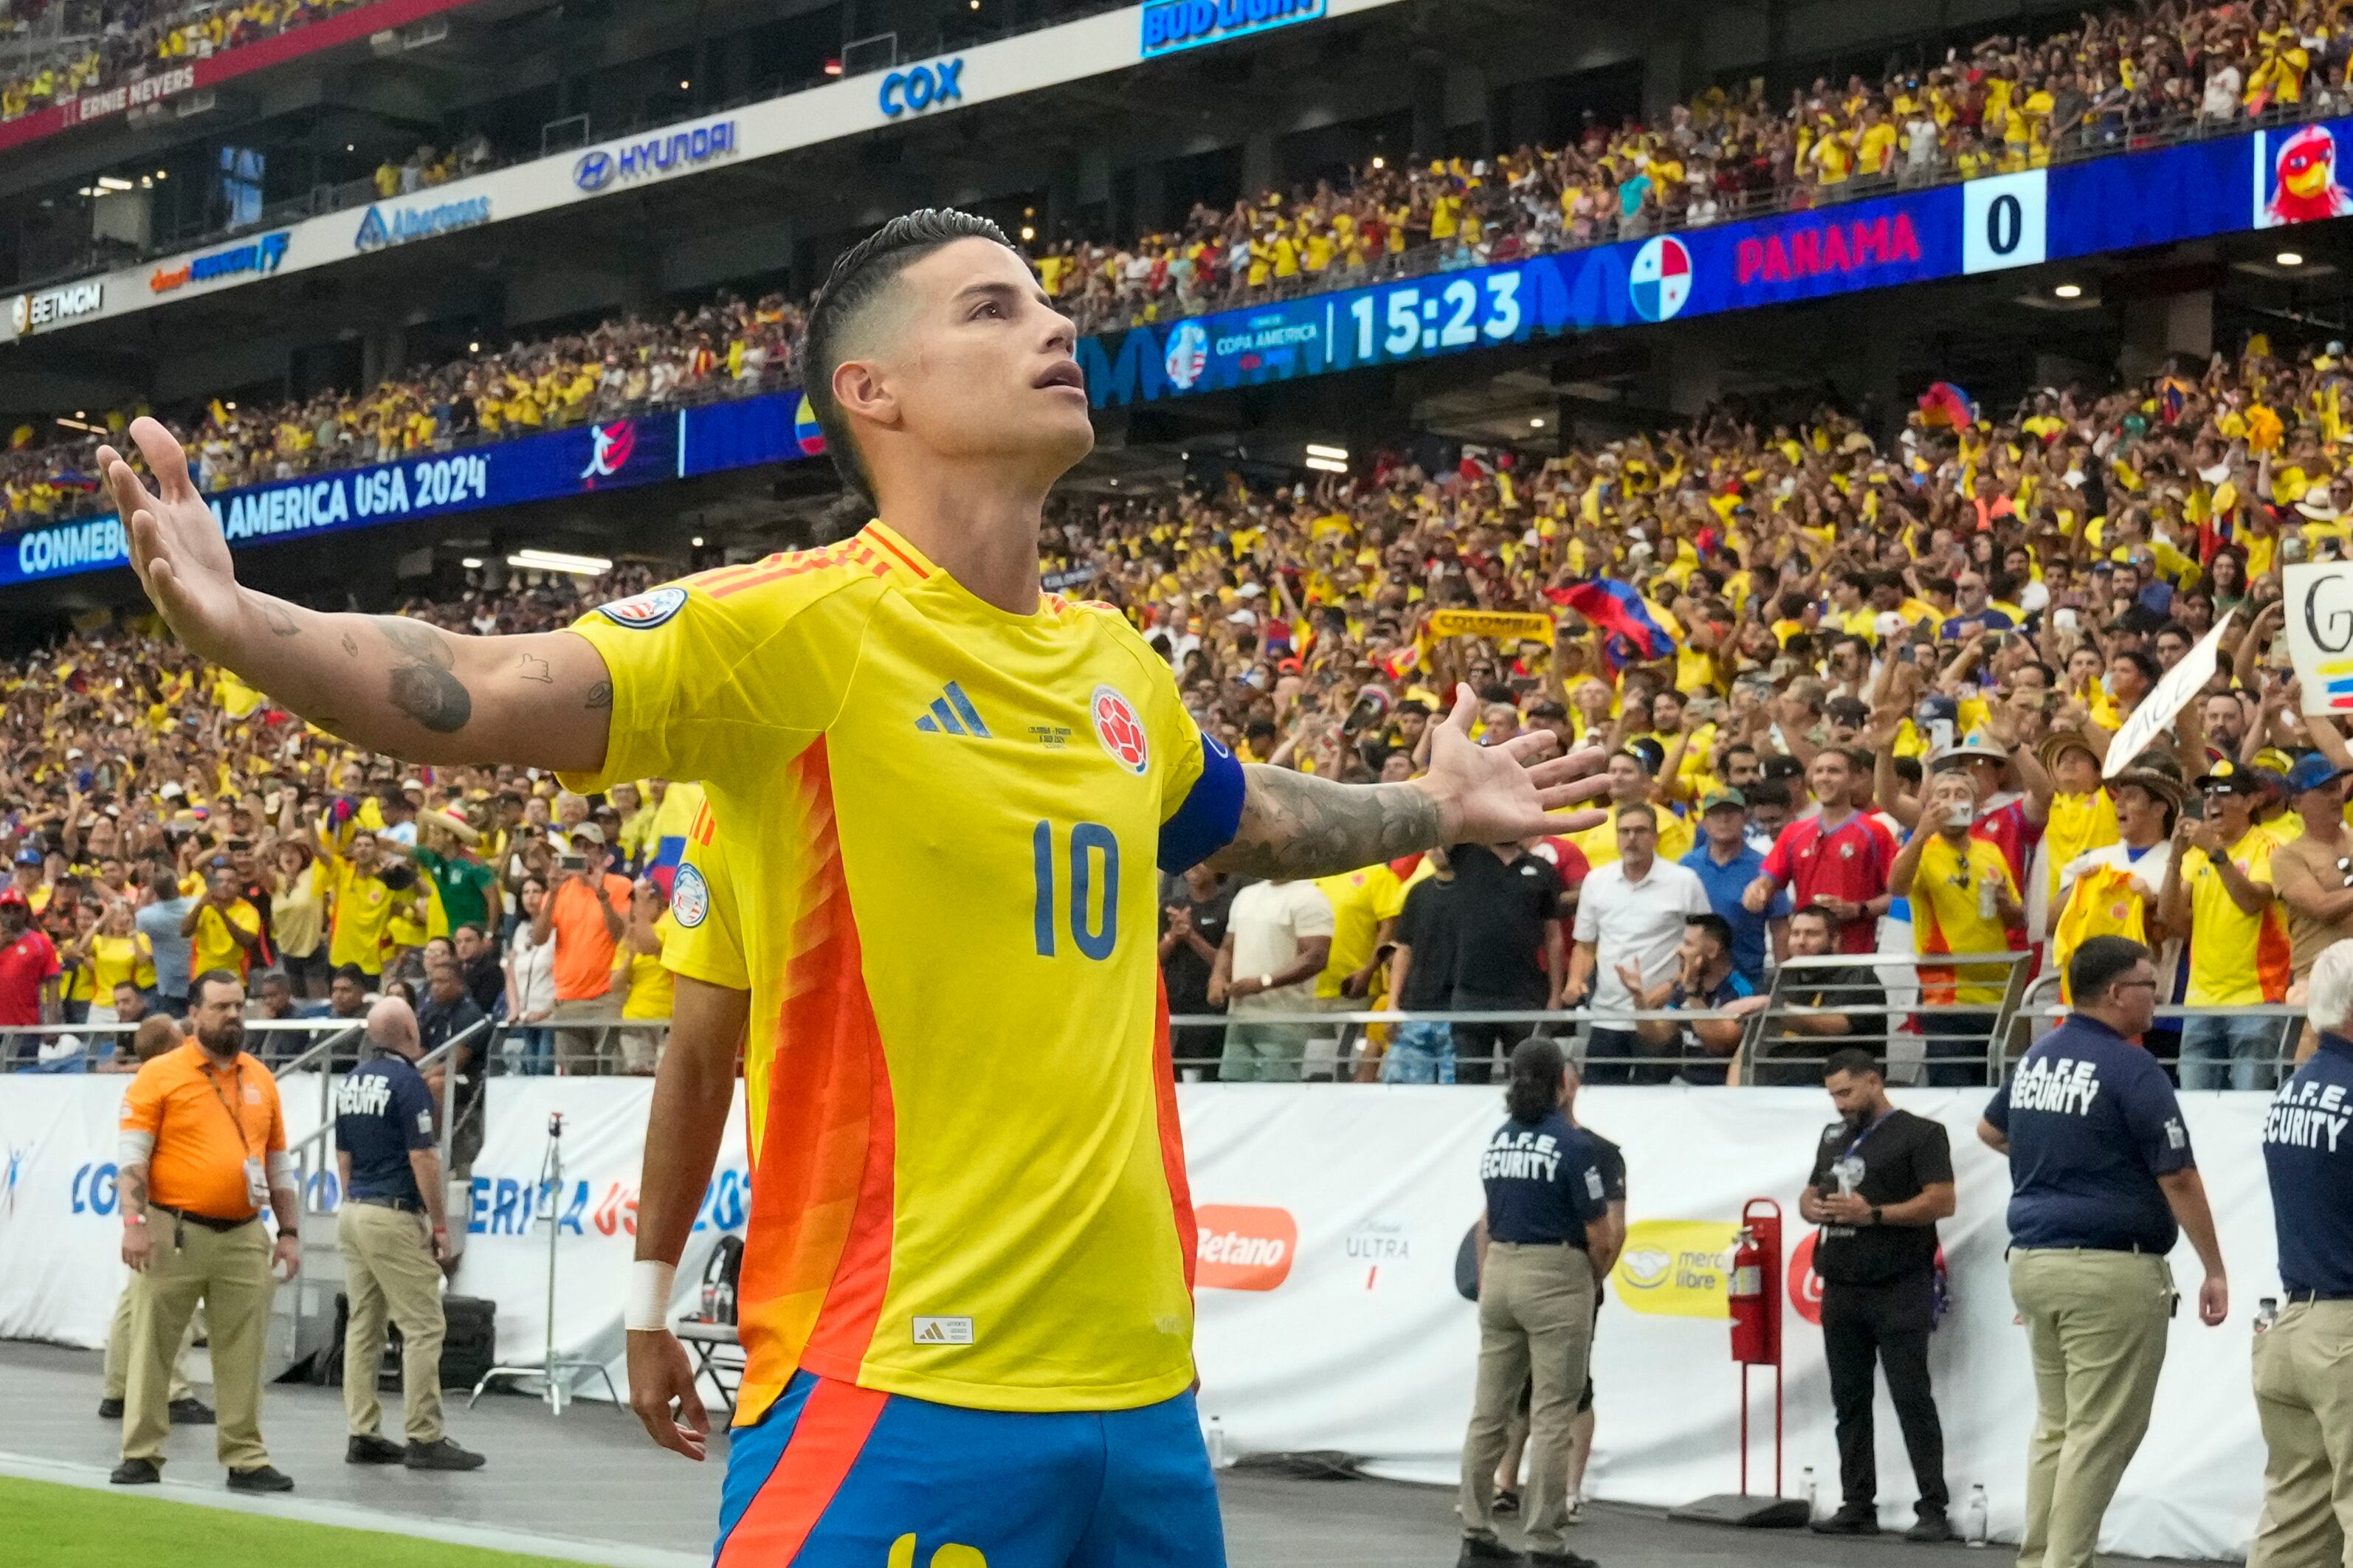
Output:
(1090, 853)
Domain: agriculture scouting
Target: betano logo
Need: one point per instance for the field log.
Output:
(1242, 1247)
(1676, 1267)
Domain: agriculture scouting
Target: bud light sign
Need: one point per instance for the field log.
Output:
(1174, 25)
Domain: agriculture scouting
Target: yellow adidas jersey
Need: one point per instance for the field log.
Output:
(941, 823)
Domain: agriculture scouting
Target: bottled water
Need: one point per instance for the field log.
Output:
(1973, 1523)
(1216, 1444)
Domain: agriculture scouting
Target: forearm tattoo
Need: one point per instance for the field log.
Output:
(1296, 824)
(422, 685)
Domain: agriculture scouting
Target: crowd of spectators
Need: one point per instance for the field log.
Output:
(162, 819)
(1856, 694)
(728, 347)
(77, 46)
(2010, 104)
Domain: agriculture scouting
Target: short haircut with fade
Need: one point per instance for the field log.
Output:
(861, 276)
(2100, 963)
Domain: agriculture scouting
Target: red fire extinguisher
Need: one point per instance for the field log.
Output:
(1755, 1292)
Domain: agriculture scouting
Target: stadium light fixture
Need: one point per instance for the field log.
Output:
(1028, 232)
(1332, 453)
(474, 348)
(1379, 162)
(1535, 424)
(686, 87)
(2289, 258)
(162, 173)
(114, 183)
(1327, 465)
(471, 563)
(833, 68)
(697, 541)
(560, 561)
(2068, 292)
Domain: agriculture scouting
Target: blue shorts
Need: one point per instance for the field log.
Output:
(835, 1475)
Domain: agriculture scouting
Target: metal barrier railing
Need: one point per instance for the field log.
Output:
(313, 1152)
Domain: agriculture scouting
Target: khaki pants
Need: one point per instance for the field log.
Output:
(2303, 1394)
(1536, 1322)
(389, 1273)
(2095, 1323)
(118, 1351)
(229, 1271)
(580, 1048)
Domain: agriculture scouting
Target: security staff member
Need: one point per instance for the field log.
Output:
(2302, 1391)
(203, 1147)
(1883, 1178)
(2103, 1183)
(1546, 1201)
(394, 1237)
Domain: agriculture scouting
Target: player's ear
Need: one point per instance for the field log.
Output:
(862, 387)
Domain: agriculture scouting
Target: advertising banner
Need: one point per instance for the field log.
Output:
(647, 449)
(1330, 1226)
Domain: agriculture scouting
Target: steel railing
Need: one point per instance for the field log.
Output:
(313, 1152)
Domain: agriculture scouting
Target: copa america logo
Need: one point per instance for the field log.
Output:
(594, 171)
(1188, 355)
(613, 445)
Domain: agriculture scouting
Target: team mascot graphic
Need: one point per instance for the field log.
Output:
(2306, 175)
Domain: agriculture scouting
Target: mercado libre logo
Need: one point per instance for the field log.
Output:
(1119, 729)
(1676, 1267)
(1242, 1247)
(1661, 279)
(1188, 355)
(806, 432)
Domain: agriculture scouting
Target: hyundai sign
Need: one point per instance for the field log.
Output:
(1173, 24)
(655, 157)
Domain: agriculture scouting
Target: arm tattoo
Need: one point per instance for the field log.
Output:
(599, 695)
(536, 669)
(279, 619)
(351, 645)
(422, 686)
(1295, 825)
(131, 1189)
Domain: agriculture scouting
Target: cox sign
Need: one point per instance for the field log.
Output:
(918, 87)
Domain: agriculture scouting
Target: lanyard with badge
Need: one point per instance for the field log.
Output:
(1847, 1168)
(257, 1180)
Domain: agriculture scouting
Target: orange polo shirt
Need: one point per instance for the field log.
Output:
(584, 948)
(185, 1102)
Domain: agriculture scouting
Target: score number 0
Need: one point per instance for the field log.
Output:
(1446, 319)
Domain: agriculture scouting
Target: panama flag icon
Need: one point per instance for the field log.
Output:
(1661, 279)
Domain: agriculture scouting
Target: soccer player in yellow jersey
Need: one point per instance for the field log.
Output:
(965, 1295)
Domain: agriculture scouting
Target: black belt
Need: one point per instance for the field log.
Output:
(406, 1205)
(206, 1220)
(2301, 1298)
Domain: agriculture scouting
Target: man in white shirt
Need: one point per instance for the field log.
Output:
(1629, 911)
(1278, 939)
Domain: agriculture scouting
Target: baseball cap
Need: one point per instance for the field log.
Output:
(2311, 771)
(1976, 748)
(28, 855)
(171, 790)
(14, 896)
(2227, 776)
(588, 833)
(1731, 797)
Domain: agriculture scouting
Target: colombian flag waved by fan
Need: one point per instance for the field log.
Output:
(1946, 404)
(1621, 610)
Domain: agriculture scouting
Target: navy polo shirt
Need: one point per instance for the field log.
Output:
(1543, 1182)
(2091, 1123)
(382, 1111)
(1724, 885)
(2308, 1152)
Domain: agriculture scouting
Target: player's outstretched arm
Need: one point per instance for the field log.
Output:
(1296, 824)
(385, 682)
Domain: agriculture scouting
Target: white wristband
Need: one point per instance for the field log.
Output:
(649, 1303)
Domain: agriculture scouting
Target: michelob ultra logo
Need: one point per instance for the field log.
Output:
(1677, 1267)
(1244, 1248)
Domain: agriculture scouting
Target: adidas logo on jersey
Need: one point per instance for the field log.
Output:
(951, 713)
(944, 1331)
